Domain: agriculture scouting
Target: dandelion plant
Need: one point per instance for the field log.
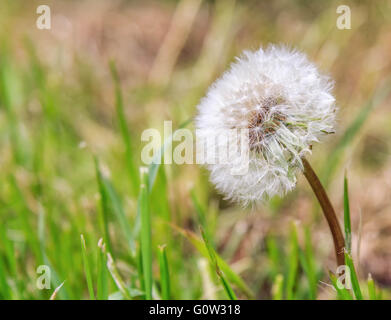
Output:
(285, 105)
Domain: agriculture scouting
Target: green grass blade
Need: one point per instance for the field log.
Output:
(309, 257)
(342, 293)
(102, 290)
(201, 215)
(199, 210)
(278, 287)
(146, 241)
(164, 273)
(379, 295)
(25, 214)
(153, 170)
(353, 277)
(117, 278)
(371, 288)
(87, 269)
(230, 293)
(105, 207)
(155, 165)
(274, 256)
(293, 263)
(113, 204)
(228, 272)
(346, 211)
(140, 269)
(212, 256)
(119, 106)
(9, 96)
(9, 256)
(5, 292)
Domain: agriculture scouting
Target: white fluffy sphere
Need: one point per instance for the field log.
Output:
(285, 105)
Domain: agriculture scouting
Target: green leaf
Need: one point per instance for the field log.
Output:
(371, 288)
(155, 165)
(346, 211)
(5, 292)
(117, 278)
(146, 242)
(293, 262)
(87, 269)
(102, 290)
(274, 255)
(164, 273)
(112, 203)
(105, 207)
(278, 287)
(228, 272)
(309, 257)
(353, 277)
(202, 219)
(133, 175)
(343, 293)
(212, 256)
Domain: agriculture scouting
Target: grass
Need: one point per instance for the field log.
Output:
(71, 196)
(164, 273)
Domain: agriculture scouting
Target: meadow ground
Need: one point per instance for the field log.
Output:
(73, 103)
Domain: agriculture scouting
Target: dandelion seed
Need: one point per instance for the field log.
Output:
(286, 105)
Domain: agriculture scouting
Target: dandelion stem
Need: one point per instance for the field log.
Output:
(328, 210)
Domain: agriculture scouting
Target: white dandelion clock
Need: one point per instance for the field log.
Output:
(284, 104)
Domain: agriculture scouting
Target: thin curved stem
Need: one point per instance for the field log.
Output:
(328, 210)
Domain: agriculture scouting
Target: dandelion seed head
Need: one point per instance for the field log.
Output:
(286, 105)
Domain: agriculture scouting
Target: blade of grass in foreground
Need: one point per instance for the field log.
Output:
(212, 256)
(55, 280)
(87, 269)
(153, 169)
(140, 270)
(273, 253)
(154, 166)
(228, 272)
(105, 208)
(293, 262)
(164, 273)
(102, 290)
(201, 215)
(348, 235)
(278, 287)
(371, 288)
(146, 245)
(117, 278)
(133, 176)
(7, 255)
(346, 211)
(353, 277)
(5, 292)
(342, 293)
(113, 203)
(309, 257)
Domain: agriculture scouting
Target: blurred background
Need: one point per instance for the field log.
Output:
(74, 100)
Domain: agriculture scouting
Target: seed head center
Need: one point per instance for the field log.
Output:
(264, 122)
